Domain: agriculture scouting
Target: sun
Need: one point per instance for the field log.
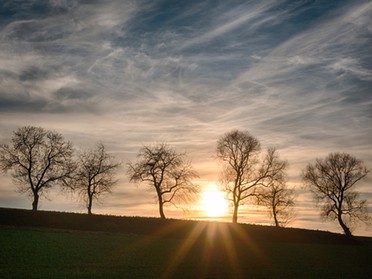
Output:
(214, 203)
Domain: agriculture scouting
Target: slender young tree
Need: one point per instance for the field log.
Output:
(244, 170)
(332, 181)
(40, 159)
(167, 172)
(279, 199)
(94, 175)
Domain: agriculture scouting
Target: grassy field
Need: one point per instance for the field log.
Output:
(207, 250)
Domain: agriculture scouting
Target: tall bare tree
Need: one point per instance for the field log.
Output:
(94, 175)
(332, 181)
(39, 159)
(244, 170)
(167, 171)
(279, 199)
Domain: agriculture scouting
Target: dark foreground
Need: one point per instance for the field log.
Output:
(60, 245)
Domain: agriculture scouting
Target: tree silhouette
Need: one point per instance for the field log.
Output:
(39, 159)
(94, 175)
(332, 181)
(279, 199)
(244, 171)
(167, 172)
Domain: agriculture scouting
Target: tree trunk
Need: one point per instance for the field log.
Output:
(161, 209)
(343, 225)
(35, 203)
(275, 217)
(235, 214)
(90, 203)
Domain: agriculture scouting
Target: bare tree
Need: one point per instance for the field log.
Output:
(39, 159)
(94, 175)
(244, 171)
(279, 199)
(332, 181)
(167, 171)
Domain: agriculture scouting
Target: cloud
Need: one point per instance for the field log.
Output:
(49, 52)
(345, 66)
(302, 76)
(323, 44)
(235, 18)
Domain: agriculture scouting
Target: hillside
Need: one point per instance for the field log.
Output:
(165, 228)
(68, 245)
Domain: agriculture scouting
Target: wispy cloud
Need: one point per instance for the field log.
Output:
(350, 66)
(250, 16)
(311, 75)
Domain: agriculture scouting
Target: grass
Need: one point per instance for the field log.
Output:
(44, 254)
(207, 250)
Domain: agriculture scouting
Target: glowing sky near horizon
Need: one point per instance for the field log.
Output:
(295, 74)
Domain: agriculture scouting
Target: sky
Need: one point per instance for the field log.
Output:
(295, 74)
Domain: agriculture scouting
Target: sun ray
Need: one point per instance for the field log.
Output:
(183, 251)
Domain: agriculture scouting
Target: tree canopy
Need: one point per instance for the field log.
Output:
(94, 175)
(167, 172)
(39, 160)
(332, 180)
(244, 170)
